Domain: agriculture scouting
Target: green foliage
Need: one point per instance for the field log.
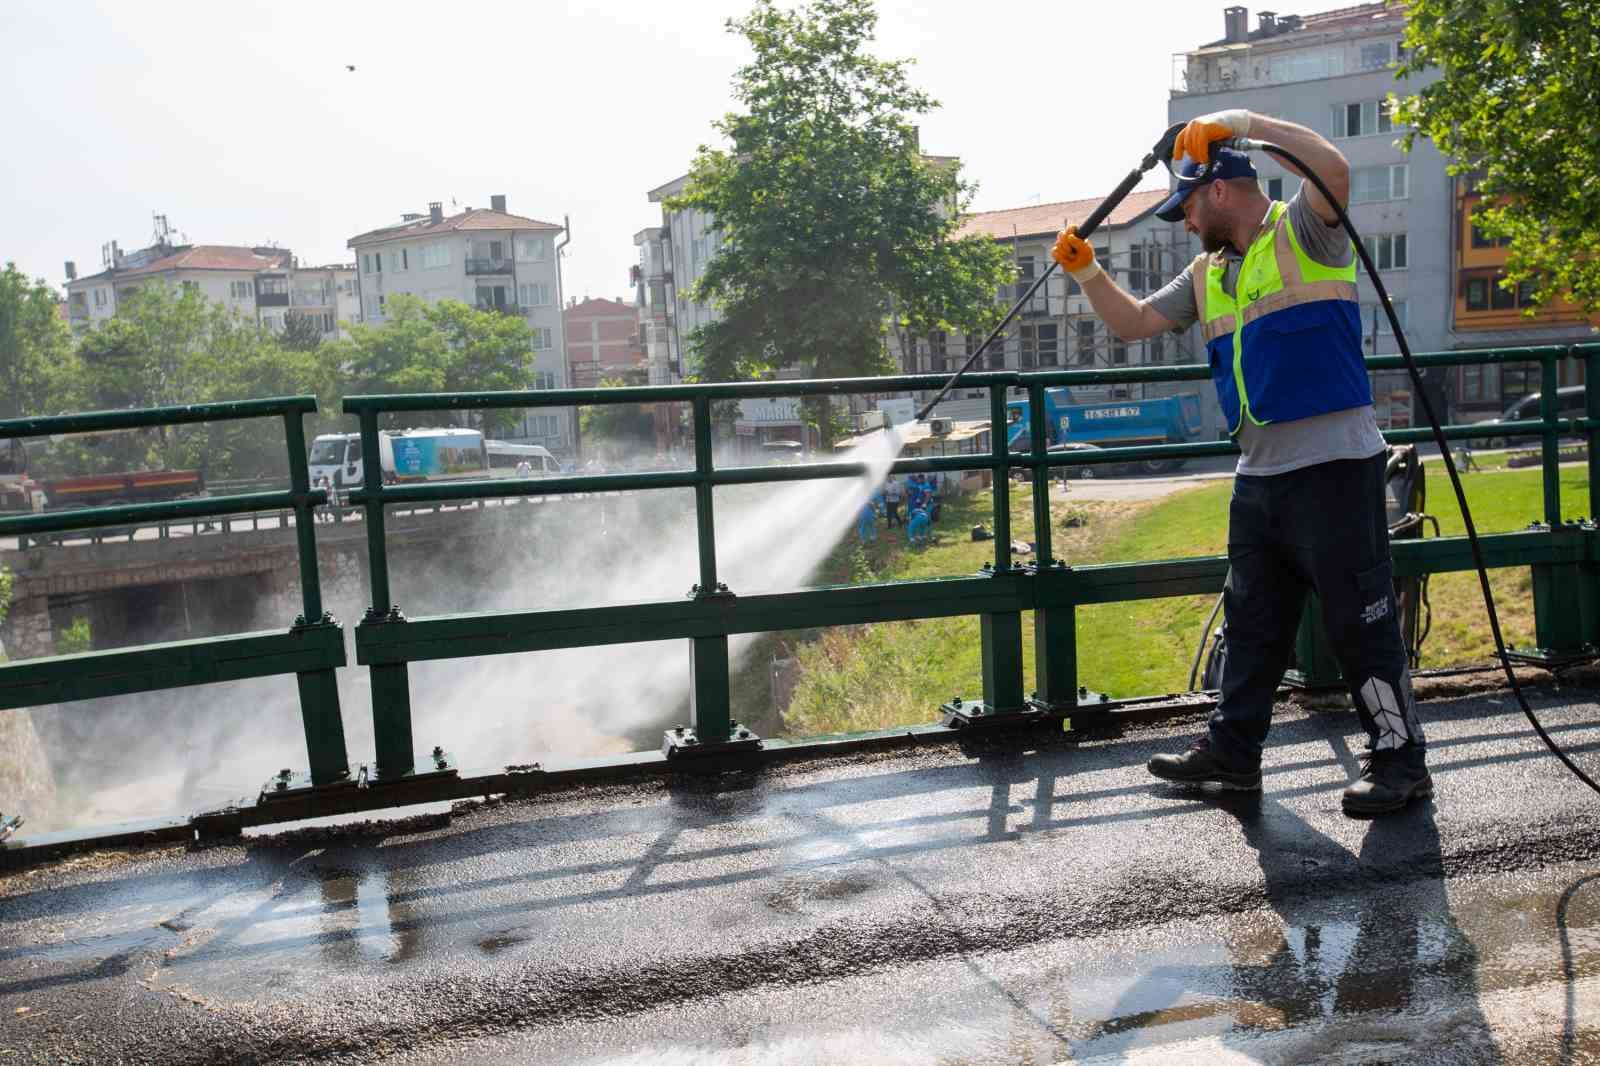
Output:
(34, 345)
(442, 347)
(75, 638)
(301, 333)
(1518, 100)
(5, 592)
(831, 222)
(617, 429)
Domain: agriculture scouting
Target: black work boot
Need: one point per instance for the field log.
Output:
(1199, 765)
(1387, 783)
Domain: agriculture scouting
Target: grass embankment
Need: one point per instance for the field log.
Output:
(873, 677)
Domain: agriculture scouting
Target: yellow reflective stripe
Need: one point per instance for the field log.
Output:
(1311, 270)
(1311, 292)
(1283, 251)
(1217, 327)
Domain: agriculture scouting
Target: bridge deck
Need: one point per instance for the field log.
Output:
(919, 907)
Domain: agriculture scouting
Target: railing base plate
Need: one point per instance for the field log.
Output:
(976, 714)
(1552, 659)
(683, 744)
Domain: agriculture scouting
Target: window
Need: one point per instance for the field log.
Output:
(1389, 249)
(543, 379)
(1136, 276)
(1048, 336)
(370, 306)
(1085, 343)
(541, 339)
(697, 254)
(272, 286)
(1478, 383)
(1375, 56)
(435, 255)
(1525, 294)
(395, 264)
(1477, 294)
(1119, 354)
(1378, 183)
(534, 249)
(534, 294)
(1361, 119)
(1025, 268)
(1273, 188)
(99, 297)
(1482, 240)
(190, 286)
(1155, 350)
(1500, 297)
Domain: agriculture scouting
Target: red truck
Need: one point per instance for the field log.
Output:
(18, 492)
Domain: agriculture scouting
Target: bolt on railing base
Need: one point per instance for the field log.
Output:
(683, 744)
(1088, 710)
(960, 713)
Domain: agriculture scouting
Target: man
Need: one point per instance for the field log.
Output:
(1275, 296)
(892, 495)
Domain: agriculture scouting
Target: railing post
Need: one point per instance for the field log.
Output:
(1000, 632)
(326, 752)
(391, 682)
(1055, 624)
(1565, 607)
(710, 697)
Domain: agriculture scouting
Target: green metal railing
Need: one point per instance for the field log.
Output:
(387, 641)
(1564, 558)
(312, 649)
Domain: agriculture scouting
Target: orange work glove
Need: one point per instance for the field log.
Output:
(1075, 255)
(1197, 137)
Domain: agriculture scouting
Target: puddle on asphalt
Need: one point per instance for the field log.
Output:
(1474, 968)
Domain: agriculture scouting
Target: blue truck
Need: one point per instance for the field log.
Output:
(1112, 424)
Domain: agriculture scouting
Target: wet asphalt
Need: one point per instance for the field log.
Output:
(927, 906)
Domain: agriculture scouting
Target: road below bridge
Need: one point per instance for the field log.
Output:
(923, 905)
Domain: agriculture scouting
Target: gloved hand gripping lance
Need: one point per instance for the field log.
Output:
(1160, 153)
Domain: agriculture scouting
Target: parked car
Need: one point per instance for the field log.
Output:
(1570, 400)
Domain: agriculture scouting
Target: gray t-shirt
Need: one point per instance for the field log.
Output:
(1279, 447)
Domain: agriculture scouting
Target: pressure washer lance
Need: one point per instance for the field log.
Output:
(1161, 153)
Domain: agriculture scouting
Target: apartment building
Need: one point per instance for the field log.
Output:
(1333, 72)
(603, 342)
(486, 258)
(655, 299)
(260, 283)
(670, 264)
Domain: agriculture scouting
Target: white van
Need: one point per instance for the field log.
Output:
(504, 457)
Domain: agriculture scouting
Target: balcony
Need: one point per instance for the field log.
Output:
(310, 298)
(491, 265)
(504, 309)
(272, 299)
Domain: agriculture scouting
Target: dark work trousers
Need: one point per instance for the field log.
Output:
(1322, 527)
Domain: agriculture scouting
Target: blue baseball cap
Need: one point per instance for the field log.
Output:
(1225, 163)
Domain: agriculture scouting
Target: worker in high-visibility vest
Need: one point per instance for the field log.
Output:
(1275, 297)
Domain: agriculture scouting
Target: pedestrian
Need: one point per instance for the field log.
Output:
(325, 513)
(892, 495)
(524, 470)
(867, 525)
(917, 528)
(1308, 497)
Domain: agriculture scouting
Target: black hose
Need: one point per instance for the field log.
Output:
(1438, 436)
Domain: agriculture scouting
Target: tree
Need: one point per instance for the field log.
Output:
(301, 332)
(443, 347)
(1518, 101)
(616, 429)
(35, 345)
(831, 222)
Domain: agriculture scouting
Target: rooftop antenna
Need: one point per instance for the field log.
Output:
(163, 228)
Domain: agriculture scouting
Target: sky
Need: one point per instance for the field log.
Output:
(242, 124)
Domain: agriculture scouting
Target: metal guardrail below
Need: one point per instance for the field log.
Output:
(1564, 558)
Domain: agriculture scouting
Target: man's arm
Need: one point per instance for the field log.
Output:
(1129, 319)
(1318, 153)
